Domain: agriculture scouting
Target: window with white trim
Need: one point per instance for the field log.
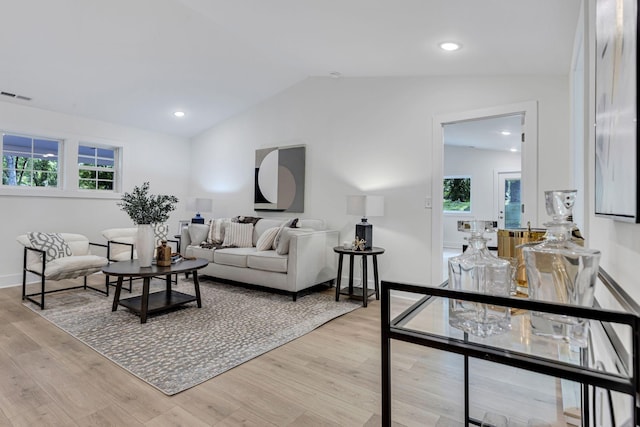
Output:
(457, 194)
(30, 161)
(97, 167)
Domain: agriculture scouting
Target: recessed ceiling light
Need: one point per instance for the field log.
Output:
(179, 113)
(513, 150)
(505, 133)
(450, 46)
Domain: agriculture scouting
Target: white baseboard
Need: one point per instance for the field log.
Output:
(11, 280)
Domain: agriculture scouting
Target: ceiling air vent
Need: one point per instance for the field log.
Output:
(13, 95)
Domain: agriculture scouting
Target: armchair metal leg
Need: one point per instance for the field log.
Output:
(42, 293)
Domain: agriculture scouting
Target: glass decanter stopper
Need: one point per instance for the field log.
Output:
(561, 271)
(478, 270)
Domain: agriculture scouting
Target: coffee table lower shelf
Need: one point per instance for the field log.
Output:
(158, 301)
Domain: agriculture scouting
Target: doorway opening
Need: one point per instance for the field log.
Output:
(503, 182)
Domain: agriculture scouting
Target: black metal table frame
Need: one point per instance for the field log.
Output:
(374, 252)
(393, 329)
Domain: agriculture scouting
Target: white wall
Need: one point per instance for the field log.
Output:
(481, 166)
(371, 135)
(160, 159)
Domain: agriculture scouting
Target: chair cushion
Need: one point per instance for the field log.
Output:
(72, 266)
(268, 261)
(52, 243)
(120, 241)
(233, 256)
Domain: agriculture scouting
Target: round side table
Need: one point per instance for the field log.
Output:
(358, 292)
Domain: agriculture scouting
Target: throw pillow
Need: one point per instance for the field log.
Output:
(238, 235)
(282, 248)
(197, 234)
(216, 231)
(292, 223)
(285, 238)
(161, 232)
(265, 241)
(51, 243)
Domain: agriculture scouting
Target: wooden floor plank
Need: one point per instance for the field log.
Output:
(329, 377)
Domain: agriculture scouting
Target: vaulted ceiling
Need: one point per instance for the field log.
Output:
(135, 62)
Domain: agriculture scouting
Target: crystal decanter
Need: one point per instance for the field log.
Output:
(478, 270)
(561, 271)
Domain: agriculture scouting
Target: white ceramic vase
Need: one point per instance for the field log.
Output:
(145, 245)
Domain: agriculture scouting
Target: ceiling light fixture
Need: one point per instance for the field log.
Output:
(450, 46)
(513, 150)
(505, 133)
(179, 114)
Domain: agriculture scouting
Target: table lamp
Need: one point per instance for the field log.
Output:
(199, 205)
(365, 206)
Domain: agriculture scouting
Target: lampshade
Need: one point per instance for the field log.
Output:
(199, 205)
(365, 206)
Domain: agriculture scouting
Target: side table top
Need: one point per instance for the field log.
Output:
(132, 268)
(373, 251)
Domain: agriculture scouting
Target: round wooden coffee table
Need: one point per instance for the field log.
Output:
(156, 301)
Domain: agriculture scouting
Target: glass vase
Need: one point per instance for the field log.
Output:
(561, 271)
(477, 270)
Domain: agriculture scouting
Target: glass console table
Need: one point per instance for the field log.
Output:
(504, 373)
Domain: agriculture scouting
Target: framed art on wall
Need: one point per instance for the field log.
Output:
(279, 179)
(616, 146)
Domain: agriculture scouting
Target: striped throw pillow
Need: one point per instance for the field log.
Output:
(216, 230)
(238, 235)
(265, 241)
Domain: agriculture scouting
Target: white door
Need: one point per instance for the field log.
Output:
(508, 200)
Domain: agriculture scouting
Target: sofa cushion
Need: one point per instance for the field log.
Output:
(265, 241)
(239, 235)
(233, 256)
(52, 244)
(198, 252)
(268, 261)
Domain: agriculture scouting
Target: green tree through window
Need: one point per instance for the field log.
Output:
(457, 194)
(96, 167)
(29, 161)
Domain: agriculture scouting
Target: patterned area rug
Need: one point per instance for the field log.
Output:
(177, 350)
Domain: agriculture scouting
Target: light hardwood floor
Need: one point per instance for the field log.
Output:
(329, 377)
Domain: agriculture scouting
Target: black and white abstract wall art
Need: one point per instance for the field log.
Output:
(279, 179)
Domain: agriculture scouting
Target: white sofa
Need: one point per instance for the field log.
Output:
(309, 261)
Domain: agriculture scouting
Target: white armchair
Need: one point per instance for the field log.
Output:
(57, 256)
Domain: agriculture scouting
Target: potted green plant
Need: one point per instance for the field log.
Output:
(146, 210)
